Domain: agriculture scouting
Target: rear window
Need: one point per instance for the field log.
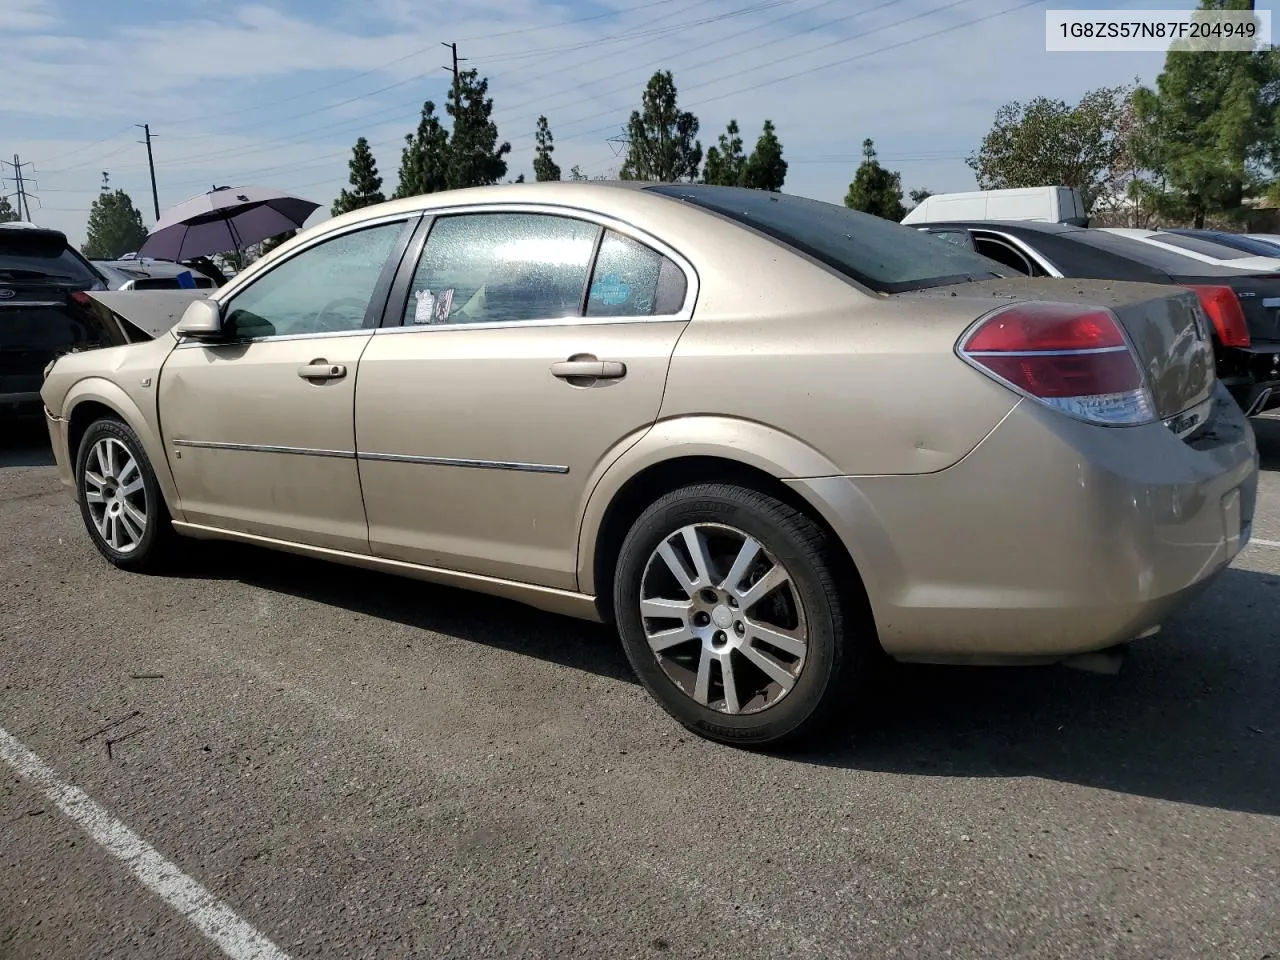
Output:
(885, 256)
(42, 256)
(1167, 261)
(1205, 248)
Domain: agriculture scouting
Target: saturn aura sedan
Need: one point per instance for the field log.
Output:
(770, 439)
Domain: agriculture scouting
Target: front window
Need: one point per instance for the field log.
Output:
(324, 289)
(877, 253)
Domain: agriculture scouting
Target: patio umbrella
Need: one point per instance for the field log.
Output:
(225, 218)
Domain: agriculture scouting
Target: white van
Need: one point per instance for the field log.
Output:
(1051, 204)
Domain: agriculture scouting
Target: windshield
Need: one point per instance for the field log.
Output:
(878, 253)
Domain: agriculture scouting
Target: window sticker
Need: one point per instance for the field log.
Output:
(432, 307)
(610, 289)
(425, 308)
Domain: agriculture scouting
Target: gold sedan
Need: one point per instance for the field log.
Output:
(769, 438)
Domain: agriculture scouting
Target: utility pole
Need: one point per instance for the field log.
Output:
(454, 68)
(24, 201)
(155, 195)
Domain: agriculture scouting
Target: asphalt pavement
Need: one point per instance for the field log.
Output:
(350, 765)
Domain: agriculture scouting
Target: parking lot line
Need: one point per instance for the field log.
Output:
(210, 916)
(1264, 543)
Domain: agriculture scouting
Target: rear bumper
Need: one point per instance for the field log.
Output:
(1052, 537)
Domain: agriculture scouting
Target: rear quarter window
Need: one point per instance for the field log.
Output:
(884, 256)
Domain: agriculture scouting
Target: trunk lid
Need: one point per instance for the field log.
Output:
(1166, 326)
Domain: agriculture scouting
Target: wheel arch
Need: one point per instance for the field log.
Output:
(638, 478)
(95, 399)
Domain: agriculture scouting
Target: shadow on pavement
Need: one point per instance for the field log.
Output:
(1193, 716)
(1267, 431)
(25, 443)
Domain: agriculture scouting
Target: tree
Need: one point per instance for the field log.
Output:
(1049, 143)
(765, 169)
(726, 163)
(920, 196)
(475, 156)
(115, 225)
(424, 163)
(663, 144)
(366, 184)
(1210, 131)
(544, 168)
(7, 213)
(874, 189)
(575, 173)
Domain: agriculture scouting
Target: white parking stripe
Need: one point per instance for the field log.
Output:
(211, 917)
(1264, 543)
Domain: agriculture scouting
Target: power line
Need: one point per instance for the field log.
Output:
(89, 146)
(382, 67)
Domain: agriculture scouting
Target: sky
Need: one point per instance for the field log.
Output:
(274, 93)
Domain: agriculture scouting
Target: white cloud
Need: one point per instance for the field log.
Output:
(213, 90)
(18, 15)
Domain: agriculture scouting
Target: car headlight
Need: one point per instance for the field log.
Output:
(48, 367)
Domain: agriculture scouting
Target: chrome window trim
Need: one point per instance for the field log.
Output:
(608, 222)
(187, 342)
(515, 465)
(1021, 247)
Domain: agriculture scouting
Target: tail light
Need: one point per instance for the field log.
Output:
(1072, 358)
(80, 297)
(1223, 307)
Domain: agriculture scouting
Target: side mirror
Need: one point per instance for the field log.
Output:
(202, 320)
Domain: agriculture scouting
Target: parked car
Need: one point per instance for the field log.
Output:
(1245, 244)
(44, 311)
(766, 437)
(1244, 307)
(1051, 204)
(144, 273)
(1198, 248)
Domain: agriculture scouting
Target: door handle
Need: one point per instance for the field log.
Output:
(589, 369)
(322, 370)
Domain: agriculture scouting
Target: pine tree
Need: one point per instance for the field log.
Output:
(475, 156)
(115, 225)
(765, 169)
(874, 189)
(726, 163)
(7, 213)
(663, 139)
(1210, 130)
(366, 184)
(424, 163)
(544, 168)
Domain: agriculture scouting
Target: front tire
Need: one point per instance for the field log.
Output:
(120, 500)
(731, 615)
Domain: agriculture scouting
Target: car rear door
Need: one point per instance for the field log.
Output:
(44, 311)
(527, 348)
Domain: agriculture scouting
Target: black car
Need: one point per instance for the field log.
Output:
(45, 311)
(1244, 307)
(1236, 241)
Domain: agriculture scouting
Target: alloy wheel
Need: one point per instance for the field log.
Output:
(723, 618)
(116, 495)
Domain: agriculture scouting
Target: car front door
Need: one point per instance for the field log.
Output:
(259, 425)
(532, 347)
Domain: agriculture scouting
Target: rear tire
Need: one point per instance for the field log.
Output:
(120, 500)
(756, 642)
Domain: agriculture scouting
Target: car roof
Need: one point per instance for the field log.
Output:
(1031, 226)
